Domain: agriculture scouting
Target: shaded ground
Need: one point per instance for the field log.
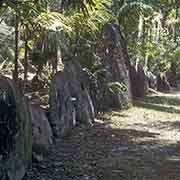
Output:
(141, 143)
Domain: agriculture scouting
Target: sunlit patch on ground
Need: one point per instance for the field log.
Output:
(141, 143)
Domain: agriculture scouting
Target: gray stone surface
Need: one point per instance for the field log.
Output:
(162, 83)
(69, 99)
(139, 81)
(115, 63)
(42, 136)
(16, 147)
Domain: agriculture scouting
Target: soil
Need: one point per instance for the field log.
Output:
(141, 143)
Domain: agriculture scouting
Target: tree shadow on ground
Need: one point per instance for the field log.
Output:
(166, 100)
(156, 107)
(119, 115)
(169, 124)
(104, 153)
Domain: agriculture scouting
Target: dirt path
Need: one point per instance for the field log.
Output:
(141, 143)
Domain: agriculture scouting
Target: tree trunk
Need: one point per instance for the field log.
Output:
(175, 26)
(25, 63)
(15, 73)
(139, 38)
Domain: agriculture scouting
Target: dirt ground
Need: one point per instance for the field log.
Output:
(141, 143)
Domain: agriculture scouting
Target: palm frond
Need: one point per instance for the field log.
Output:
(134, 5)
(79, 5)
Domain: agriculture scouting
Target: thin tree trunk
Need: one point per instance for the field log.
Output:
(140, 34)
(25, 63)
(175, 26)
(149, 39)
(146, 62)
(15, 73)
(159, 27)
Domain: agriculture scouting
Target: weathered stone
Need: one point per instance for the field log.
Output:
(152, 80)
(93, 86)
(114, 62)
(69, 99)
(162, 83)
(171, 75)
(139, 81)
(15, 132)
(42, 136)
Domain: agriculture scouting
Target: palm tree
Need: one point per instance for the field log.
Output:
(66, 35)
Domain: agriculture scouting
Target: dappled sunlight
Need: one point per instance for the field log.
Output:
(170, 99)
(174, 158)
(153, 140)
(141, 143)
(164, 123)
(96, 90)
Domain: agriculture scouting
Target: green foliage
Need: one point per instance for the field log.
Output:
(116, 87)
(155, 41)
(73, 27)
(73, 33)
(76, 5)
(6, 39)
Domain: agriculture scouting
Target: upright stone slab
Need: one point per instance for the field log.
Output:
(115, 63)
(15, 132)
(69, 99)
(139, 81)
(171, 75)
(42, 136)
(152, 80)
(162, 83)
